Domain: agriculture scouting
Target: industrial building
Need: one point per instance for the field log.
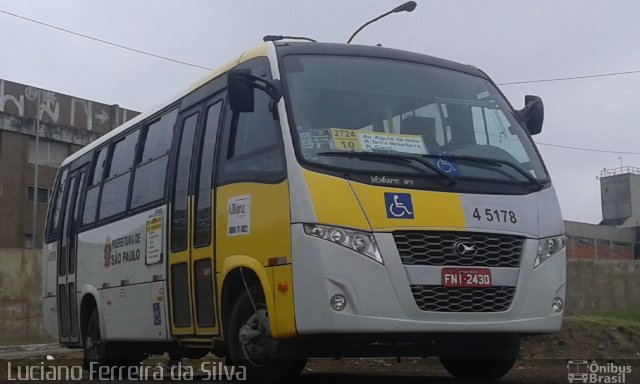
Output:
(63, 124)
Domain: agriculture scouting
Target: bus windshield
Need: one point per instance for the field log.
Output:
(343, 107)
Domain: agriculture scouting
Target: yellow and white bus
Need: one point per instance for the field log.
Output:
(311, 199)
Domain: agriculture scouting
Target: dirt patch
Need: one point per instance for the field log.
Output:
(605, 336)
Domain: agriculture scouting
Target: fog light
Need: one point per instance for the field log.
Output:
(557, 304)
(338, 302)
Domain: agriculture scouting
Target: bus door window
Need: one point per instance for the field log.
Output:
(68, 257)
(203, 248)
(180, 294)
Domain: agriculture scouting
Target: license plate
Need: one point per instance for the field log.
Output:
(466, 277)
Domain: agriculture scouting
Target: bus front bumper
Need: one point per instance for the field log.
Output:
(379, 298)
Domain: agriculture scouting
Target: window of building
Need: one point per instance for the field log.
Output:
(28, 240)
(49, 153)
(42, 195)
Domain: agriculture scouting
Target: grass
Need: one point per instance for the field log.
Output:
(609, 318)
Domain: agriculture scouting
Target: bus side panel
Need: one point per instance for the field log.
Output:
(135, 313)
(126, 261)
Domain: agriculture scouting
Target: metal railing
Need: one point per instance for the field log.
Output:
(619, 171)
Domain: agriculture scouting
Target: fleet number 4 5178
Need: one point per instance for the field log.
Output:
(492, 214)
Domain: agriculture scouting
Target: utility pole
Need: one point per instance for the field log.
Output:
(34, 220)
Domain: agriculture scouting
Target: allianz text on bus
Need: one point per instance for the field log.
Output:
(311, 200)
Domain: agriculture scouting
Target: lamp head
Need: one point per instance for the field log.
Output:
(409, 6)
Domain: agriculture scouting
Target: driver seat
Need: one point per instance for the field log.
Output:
(423, 126)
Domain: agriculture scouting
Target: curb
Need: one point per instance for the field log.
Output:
(29, 347)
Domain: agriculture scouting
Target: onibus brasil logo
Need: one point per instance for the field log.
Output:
(591, 371)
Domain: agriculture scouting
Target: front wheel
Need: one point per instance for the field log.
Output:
(250, 343)
(477, 369)
(484, 357)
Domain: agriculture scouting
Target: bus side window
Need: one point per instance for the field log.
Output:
(116, 186)
(149, 177)
(54, 219)
(93, 188)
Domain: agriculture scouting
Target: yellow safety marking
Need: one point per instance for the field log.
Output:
(334, 202)
(430, 209)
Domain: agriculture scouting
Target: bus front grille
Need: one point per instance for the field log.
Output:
(439, 248)
(436, 298)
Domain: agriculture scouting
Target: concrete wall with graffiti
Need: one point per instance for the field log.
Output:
(57, 108)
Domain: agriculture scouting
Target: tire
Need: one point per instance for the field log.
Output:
(96, 352)
(250, 343)
(484, 357)
(477, 369)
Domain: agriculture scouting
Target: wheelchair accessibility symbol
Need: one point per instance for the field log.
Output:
(449, 166)
(398, 205)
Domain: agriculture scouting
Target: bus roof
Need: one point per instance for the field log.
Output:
(260, 50)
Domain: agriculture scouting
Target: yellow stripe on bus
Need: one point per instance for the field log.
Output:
(334, 202)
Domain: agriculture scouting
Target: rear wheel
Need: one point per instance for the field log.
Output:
(250, 343)
(98, 353)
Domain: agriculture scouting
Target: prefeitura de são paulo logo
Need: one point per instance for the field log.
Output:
(107, 252)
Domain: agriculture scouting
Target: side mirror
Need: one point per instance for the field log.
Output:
(532, 114)
(240, 90)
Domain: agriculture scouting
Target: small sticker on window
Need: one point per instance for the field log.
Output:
(305, 140)
(482, 95)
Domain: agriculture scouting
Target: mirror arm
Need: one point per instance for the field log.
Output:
(270, 87)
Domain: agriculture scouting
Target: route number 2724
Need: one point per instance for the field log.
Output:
(498, 215)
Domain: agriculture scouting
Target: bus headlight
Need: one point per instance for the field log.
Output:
(548, 247)
(361, 242)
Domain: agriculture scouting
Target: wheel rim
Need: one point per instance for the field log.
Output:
(255, 338)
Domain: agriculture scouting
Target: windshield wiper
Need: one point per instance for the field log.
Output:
(401, 157)
(485, 160)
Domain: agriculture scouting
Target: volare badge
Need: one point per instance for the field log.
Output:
(398, 205)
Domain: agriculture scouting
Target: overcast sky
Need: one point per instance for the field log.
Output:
(511, 40)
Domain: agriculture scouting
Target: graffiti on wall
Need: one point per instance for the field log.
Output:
(26, 101)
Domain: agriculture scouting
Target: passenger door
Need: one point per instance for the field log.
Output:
(67, 259)
(191, 261)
